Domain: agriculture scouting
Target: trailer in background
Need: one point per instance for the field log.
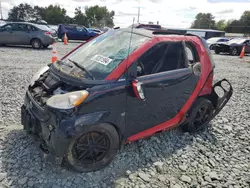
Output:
(204, 33)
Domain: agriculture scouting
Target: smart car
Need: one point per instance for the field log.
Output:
(119, 87)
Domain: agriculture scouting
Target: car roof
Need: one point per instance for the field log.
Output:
(28, 23)
(154, 33)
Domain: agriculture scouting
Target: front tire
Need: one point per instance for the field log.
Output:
(211, 47)
(93, 149)
(234, 51)
(199, 116)
(217, 51)
(36, 43)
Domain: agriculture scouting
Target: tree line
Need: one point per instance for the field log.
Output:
(95, 16)
(207, 21)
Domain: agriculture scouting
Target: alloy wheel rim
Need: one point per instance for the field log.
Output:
(234, 51)
(36, 44)
(91, 147)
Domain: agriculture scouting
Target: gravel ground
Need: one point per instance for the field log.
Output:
(218, 157)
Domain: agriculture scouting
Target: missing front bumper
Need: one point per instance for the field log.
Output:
(51, 143)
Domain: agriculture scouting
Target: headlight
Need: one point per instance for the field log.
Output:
(68, 100)
(38, 74)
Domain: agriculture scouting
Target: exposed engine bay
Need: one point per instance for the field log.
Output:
(48, 85)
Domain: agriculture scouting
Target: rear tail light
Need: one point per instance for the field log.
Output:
(48, 33)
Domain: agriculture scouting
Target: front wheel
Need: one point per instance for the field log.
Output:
(234, 51)
(199, 116)
(211, 47)
(217, 51)
(93, 149)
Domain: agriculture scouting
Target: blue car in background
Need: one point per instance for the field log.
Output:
(75, 32)
(95, 30)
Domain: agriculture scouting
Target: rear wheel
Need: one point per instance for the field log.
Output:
(36, 43)
(217, 51)
(234, 51)
(93, 149)
(199, 116)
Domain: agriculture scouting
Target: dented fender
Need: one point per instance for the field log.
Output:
(74, 125)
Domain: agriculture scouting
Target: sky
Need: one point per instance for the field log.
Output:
(169, 13)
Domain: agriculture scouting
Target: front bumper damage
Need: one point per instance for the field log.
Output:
(220, 101)
(44, 127)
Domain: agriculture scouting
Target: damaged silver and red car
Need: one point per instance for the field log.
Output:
(117, 88)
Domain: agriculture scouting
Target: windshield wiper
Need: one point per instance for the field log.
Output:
(82, 68)
(66, 64)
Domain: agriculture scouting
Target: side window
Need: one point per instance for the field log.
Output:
(190, 55)
(7, 28)
(248, 42)
(191, 52)
(71, 28)
(21, 27)
(161, 58)
(33, 28)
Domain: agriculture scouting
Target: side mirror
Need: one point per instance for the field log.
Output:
(196, 67)
(137, 88)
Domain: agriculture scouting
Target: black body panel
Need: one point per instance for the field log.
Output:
(223, 47)
(166, 93)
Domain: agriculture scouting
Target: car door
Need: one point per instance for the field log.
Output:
(22, 34)
(71, 32)
(167, 84)
(81, 33)
(6, 34)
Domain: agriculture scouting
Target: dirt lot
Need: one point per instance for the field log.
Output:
(218, 157)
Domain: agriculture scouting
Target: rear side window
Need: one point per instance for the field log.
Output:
(72, 28)
(33, 28)
(21, 27)
(191, 52)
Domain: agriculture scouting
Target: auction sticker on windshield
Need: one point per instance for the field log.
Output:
(101, 59)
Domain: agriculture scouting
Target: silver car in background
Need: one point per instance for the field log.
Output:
(24, 33)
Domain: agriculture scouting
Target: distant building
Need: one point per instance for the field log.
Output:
(234, 35)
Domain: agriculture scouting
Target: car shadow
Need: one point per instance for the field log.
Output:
(227, 54)
(21, 158)
(22, 47)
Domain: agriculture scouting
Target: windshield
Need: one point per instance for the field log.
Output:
(237, 41)
(103, 54)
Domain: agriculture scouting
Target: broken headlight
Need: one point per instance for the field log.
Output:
(38, 74)
(67, 100)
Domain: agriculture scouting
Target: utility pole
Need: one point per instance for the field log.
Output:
(138, 14)
(1, 13)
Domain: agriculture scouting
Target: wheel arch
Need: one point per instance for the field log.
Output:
(118, 130)
(210, 98)
(35, 38)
